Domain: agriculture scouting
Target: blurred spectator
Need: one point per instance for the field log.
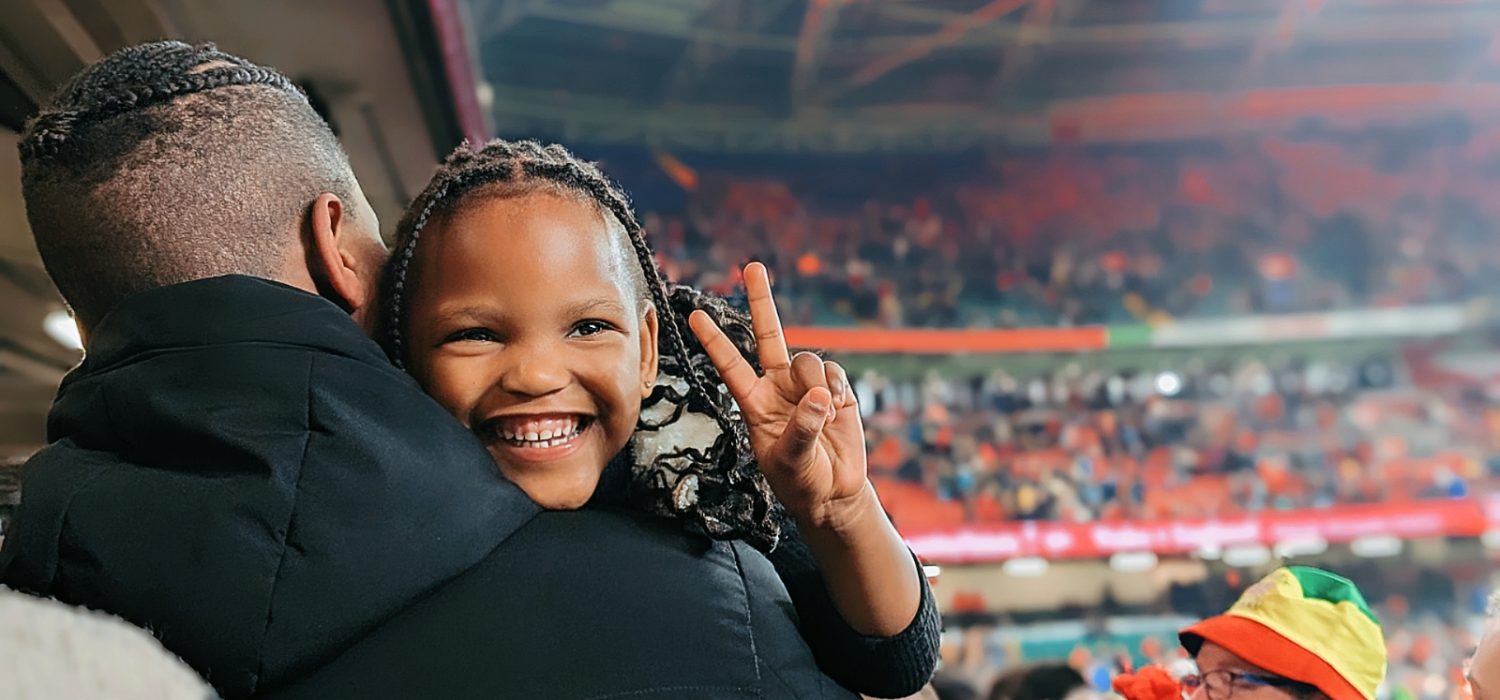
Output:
(1427, 652)
(1049, 681)
(52, 650)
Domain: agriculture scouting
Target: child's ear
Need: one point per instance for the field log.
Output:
(650, 333)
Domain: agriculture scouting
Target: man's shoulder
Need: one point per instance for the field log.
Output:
(585, 603)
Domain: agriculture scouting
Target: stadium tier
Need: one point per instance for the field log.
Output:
(1089, 463)
(1274, 225)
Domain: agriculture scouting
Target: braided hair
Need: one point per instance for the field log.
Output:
(167, 162)
(714, 485)
(134, 78)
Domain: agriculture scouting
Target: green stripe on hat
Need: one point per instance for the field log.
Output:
(1325, 585)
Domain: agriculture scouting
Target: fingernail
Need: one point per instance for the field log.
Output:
(819, 405)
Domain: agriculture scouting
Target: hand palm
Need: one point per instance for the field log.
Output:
(833, 466)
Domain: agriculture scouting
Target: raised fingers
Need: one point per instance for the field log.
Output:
(764, 319)
(738, 375)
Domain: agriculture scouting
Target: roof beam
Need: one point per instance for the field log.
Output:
(951, 32)
(1435, 24)
(705, 51)
(1278, 37)
(700, 55)
(1036, 28)
(812, 44)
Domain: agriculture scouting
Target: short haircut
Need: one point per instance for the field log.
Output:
(166, 163)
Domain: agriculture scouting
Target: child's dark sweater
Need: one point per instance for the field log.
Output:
(885, 667)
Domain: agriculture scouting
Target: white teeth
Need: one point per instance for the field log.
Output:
(542, 434)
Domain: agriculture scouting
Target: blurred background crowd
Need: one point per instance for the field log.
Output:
(1142, 297)
(1273, 225)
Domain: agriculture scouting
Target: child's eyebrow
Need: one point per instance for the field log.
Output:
(467, 313)
(601, 305)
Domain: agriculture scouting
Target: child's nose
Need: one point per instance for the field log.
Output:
(537, 370)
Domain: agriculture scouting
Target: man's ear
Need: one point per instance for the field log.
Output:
(334, 254)
(650, 359)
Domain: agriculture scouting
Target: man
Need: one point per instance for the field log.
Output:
(207, 471)
(1298, 634)
(238, 468)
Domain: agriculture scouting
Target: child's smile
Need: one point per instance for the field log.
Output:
(536, 437)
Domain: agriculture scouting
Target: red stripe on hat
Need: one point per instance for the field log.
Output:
(1264, 647)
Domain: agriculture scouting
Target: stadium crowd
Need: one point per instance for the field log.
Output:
(1075, 238)
(1085, 445)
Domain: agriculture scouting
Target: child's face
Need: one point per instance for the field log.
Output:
(524, 325)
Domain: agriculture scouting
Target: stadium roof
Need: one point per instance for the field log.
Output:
(854, 75)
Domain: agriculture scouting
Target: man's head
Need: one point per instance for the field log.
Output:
(1299, 633)
(167, 163)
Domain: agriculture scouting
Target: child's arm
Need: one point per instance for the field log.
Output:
(883, 667)
(808, 438)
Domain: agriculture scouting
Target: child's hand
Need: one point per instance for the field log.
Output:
(804, 422)
(808, 438)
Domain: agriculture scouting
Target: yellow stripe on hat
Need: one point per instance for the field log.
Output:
(1341, 634)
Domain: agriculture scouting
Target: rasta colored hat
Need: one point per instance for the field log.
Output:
(1304, 624)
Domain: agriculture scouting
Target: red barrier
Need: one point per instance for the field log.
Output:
(1468, 517)
(947, 342)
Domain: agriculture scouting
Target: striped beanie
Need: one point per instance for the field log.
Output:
(1304, 624)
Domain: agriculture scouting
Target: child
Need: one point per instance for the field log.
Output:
(523, 296)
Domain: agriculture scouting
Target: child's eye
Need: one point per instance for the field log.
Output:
(477, 335)
(588, 328)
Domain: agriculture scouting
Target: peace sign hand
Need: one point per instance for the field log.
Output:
(802, 415)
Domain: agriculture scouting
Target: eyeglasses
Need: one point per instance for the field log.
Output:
(1221, 684)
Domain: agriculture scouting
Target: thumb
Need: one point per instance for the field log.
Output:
(801, 435)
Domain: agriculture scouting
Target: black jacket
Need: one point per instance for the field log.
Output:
(238, 468)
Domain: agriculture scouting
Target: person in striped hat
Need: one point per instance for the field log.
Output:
(1299, 633)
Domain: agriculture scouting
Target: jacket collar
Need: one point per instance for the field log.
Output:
(224, 311)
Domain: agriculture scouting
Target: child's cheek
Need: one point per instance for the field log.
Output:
(454, 384)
